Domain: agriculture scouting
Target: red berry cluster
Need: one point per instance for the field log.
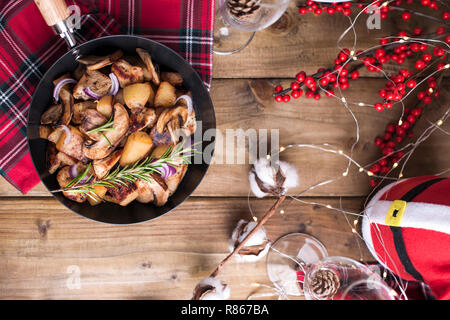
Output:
(319, 8)
(345, 7)
(394, 135)
(398, 83)
(329, 79)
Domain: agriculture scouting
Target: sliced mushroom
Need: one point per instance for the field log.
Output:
(92, 119)
(96, 81)
(101, 62)
(72, 145)
(53, 163)
(64, 76)
(141, 119)
(190, 126)
(126, 73)
(145, 56)
(171, 114)
(102, 148)
(174, 78)
(55, 135)
(102, 166)
(160, 139)
(52, 115)
(45, 131)
(79, 110)
(67, 106)
(137, 61)
(155, 190)
(174, 180)
(145, 191)
(63, 177)
(122, 194)
(79, 71)
(65, 159)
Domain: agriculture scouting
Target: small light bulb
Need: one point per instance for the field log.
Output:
(328, 206)
(430, 90)
(340, 152)
(255, 219)
(268, 157)
(345, 173)
(400, 175)
(360, 104)
(395, 165)
(355, 222)
(369, 173)
(282, 149)
(447, 66)
(361, 169)
(400, 122)
(353, 230)
(440, 122)
(282, 211)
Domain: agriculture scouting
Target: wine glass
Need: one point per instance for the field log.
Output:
(237, 20)
(340, 278)
(298, 264)
(288, 259)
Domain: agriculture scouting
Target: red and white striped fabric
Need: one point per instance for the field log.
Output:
(28, 47)
(407, 229)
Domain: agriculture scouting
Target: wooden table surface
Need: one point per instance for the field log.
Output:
(42, 244)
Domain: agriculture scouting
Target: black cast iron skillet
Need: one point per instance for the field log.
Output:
(167, 59)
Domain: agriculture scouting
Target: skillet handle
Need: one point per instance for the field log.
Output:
(56, 14)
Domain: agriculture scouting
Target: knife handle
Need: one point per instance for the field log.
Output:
(53, 11)
(55, 14)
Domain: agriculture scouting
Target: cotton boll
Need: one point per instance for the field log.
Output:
(290, 173)
(255, 248)
(254, 186)
(264, 171)
(264, 179)
(211, 289)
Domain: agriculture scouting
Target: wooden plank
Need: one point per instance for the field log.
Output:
(247, 104)
(162, 259)
(309, 42)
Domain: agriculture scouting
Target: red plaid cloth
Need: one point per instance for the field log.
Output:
(28, 47)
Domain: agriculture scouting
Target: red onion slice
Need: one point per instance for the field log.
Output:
(166, 171)
(115, 85)
(189, 103)
(66, 129)
(61, 84)
(92, 94)
(74, 171)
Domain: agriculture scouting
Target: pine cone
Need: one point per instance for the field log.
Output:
(241, 8)
(324, 284)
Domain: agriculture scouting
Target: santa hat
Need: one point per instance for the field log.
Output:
(407, 229)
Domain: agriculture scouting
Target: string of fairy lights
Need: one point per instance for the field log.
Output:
(363, 169)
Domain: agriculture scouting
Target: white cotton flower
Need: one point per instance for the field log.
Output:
(255, 248)
(262, 177)
(211, 289)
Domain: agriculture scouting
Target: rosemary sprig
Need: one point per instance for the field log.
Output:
(122, 176)
(108, 126)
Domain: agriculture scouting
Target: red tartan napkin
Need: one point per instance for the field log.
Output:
(28, 47)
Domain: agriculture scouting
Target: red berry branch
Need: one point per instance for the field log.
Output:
(430, 55)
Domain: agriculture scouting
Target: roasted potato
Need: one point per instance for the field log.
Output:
(105, 106)
(96, 199)
(165, 96)
(136, 148)
(136, 95)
